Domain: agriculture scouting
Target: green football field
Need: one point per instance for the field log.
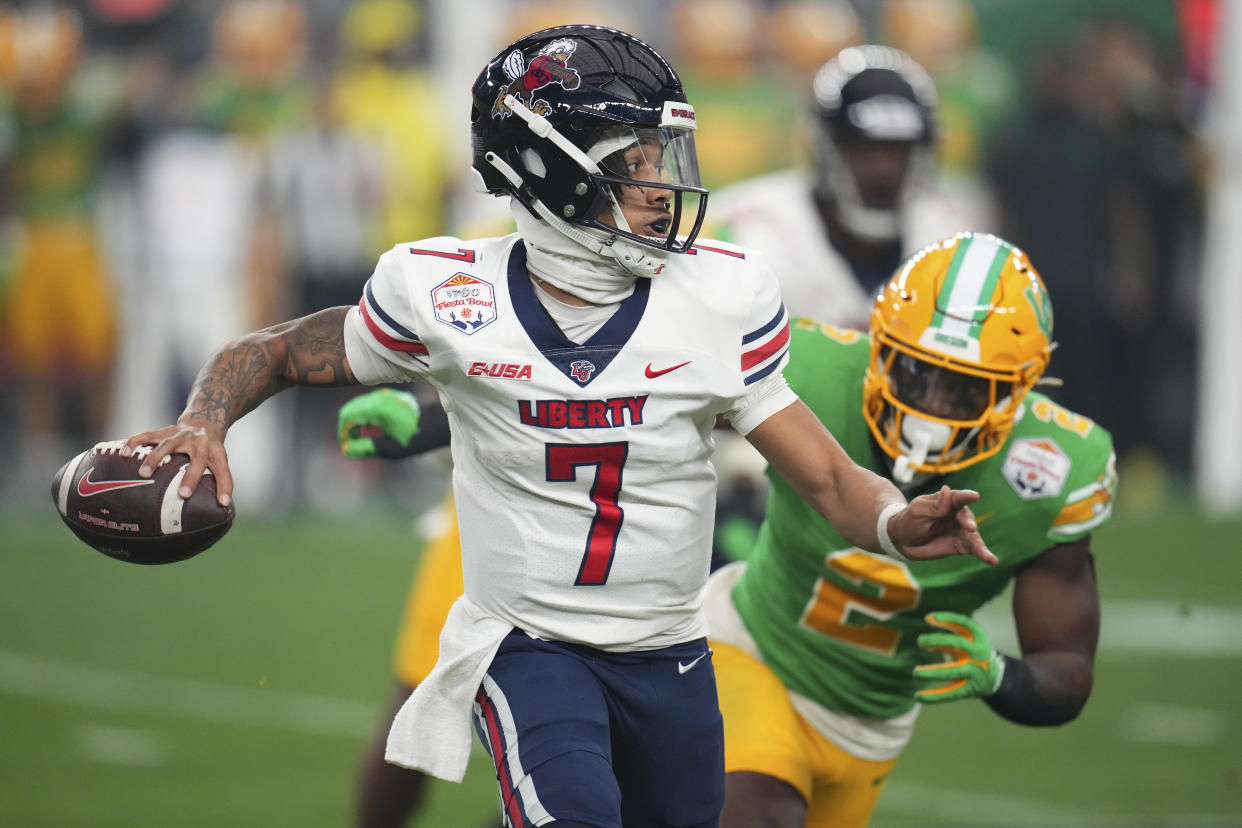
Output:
(238, 688)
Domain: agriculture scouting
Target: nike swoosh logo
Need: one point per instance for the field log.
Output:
(685, 668)
(653, 374)
(88, 487)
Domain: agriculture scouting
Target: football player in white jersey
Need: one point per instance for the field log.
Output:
(583, 362)
(835, 231)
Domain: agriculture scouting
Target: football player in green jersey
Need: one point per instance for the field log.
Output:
(824, 653)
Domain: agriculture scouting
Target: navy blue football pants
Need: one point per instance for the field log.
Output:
(605, 739)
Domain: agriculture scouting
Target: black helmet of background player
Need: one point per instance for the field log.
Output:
(554, 116)
(874, 128)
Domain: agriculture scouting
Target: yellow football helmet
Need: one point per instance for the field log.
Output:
(958, 337)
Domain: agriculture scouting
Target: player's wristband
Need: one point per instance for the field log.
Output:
(881, 531)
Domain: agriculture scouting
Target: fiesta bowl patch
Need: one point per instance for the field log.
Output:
(464, 302)
(1036, 467)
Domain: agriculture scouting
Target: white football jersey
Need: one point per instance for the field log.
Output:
(581, 472)
(775, 213)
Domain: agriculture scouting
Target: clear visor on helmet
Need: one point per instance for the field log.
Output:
(659, 155)
(653, 178)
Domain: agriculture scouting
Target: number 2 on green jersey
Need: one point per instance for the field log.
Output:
(879, 588)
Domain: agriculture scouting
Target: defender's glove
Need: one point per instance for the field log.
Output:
(973, 670)
(378, 424)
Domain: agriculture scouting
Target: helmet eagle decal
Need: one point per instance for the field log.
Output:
(549, 66)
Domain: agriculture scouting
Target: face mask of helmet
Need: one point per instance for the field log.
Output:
(938, 411)
(582, 124)
(873, 135)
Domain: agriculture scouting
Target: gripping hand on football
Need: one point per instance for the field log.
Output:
(378, 424)
(203, 444)
(972, 667)
(937, 526)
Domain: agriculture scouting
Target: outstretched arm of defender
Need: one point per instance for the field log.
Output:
(237, 378)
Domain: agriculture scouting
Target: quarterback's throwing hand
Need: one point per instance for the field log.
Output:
(203, 444)
(939, 525)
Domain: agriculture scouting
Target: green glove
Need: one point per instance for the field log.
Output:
(378, 424)
(972, 668)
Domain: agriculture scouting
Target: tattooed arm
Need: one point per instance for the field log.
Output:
(240, 376)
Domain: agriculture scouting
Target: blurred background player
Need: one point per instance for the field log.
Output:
(824, 652)
(367, 169)
(837, 228)
(209, 268)
(58, 306)
(384, 92)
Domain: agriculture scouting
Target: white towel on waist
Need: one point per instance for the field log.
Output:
(432, 732)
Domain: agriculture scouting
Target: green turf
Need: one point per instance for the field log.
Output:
(240, 687)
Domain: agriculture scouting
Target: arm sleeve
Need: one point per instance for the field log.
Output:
(764, 354)
(380, 339)
(1018, 700)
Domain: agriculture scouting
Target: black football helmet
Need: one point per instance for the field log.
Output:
(554, 117)
(870, 95)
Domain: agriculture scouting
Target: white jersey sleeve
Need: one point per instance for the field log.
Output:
(764, 354)
(380, 337)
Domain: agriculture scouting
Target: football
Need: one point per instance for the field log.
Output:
(103, 501)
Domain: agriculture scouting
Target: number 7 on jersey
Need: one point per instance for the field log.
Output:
(563, 460)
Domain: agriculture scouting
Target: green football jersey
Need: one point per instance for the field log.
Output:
(839, 625)
(57, 163)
